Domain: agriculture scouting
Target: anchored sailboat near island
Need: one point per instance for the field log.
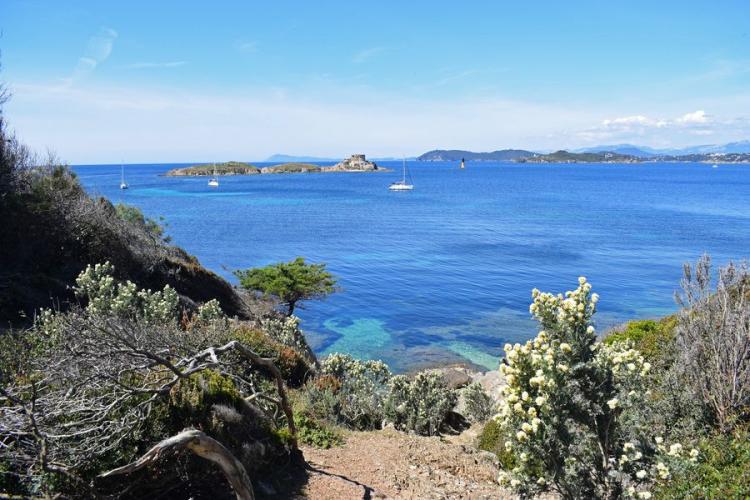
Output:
(402, 185)
(213, 181)
(123, 184)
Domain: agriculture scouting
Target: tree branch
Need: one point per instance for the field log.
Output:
(205, 447)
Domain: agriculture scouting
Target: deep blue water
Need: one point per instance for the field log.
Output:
(444, 273)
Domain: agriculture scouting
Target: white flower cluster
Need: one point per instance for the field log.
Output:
(106, 296)
(210, 311)
(345, 366)
(570, 311)
(544, 397)
(286, 331)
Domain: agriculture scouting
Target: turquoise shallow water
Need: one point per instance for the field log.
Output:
(444, 273)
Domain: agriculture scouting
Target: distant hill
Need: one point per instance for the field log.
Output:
(457, 155)
(394, 158)
(568, 157)
(612, 157)
(738, 147)
(732, 147)
(625, 149)
(281, 158)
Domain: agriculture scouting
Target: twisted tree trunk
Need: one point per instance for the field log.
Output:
(204, 446)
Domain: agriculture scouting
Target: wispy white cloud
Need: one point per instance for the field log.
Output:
(666, 131)
(722, 69)
(155, 65)
(98, 49)
(246, 46)
(365, 54)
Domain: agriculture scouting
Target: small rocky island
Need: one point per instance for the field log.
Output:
(227, 168)
(356, 163)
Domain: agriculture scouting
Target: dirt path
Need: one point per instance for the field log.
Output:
(390, 464)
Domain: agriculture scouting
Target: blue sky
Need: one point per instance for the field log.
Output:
(200, 81)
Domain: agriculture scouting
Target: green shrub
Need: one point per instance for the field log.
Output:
(492, 439)
(419, 404)
(293, 366)
(723, 470)
(314, 433)
(479, 404)
(287, 331)
(348, 392)
(653, 339)
(134, 216)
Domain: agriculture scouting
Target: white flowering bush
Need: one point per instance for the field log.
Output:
(286, 330)
(567, 405)
(105, 295)
(420, 403)
(210, 311)
(356, 399)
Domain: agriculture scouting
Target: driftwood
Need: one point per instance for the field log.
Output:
(203, 446)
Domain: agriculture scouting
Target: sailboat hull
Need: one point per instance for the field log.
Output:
(401, 185)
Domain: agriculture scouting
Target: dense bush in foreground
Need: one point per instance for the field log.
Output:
(567, 408)
(722, 472)
(658, 408)
(94, 388)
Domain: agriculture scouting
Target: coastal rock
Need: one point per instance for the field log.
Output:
(455, 376)
(357, 163)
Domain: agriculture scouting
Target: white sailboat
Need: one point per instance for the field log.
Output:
(123, 184)
(401, 185)
(213, 181)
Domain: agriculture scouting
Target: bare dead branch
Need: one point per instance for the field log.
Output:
(203, 446)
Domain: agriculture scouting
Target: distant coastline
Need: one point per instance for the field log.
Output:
(563, 156)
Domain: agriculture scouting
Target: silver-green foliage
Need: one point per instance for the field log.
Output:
(286, 330)
(479, 406)
(419, 404)
(359, 400)
(713, 339)
(106, 296)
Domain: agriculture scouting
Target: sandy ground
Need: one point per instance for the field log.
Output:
(390, 464)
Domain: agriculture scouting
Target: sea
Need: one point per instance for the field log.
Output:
(443, 274)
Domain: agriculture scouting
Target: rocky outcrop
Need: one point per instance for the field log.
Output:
(228, 168)
(356, 163)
